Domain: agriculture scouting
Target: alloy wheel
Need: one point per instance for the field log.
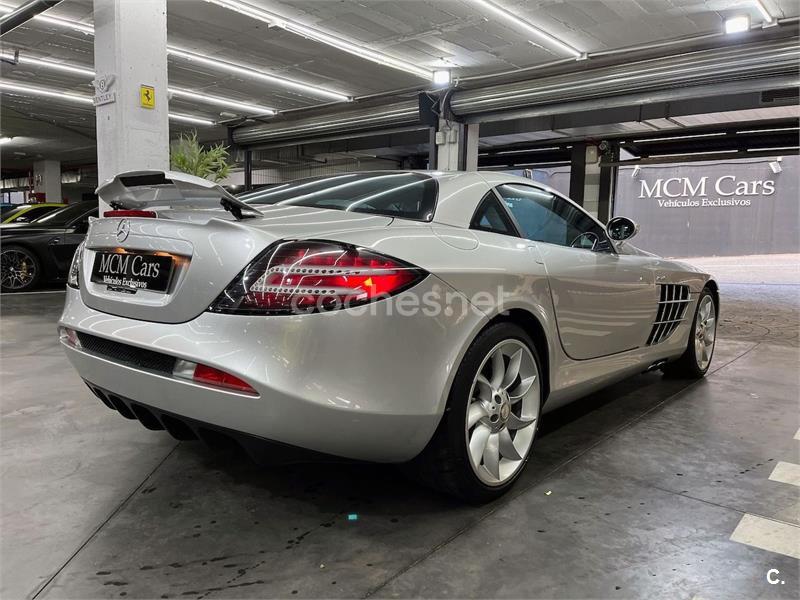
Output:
(503, 412)
(705, 332)
(17, 269)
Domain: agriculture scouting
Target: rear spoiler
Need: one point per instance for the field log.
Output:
(170, 189)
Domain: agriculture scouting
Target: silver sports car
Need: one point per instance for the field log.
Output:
(425, 318)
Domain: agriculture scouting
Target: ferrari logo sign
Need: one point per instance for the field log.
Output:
(147, 96)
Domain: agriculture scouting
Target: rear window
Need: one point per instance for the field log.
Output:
(394, 194)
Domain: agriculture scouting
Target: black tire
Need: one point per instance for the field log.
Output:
(31, 259)
(444, 464)
(687, 366)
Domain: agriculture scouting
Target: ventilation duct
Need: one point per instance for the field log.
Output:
(773, 62)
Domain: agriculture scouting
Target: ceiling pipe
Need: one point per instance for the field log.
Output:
(24, 13)
(733, 68)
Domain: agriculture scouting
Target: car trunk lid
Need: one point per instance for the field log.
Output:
(208, 249)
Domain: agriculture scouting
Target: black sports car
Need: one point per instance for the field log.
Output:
(41, 251)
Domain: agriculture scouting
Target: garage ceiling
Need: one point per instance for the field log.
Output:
(457, 34)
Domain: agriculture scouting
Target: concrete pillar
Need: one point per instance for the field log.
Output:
(472, 135)
(457, 146)
(130, 58)
(608, 184)
(47, 179)
(447, 146)
(584, 178)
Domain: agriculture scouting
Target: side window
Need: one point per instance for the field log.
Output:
(544, 217)
(490, 216)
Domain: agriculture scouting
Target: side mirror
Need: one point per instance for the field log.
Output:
(621, 228)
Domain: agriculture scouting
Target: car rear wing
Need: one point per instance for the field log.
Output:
(170, 189)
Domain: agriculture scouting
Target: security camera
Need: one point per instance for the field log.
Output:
(775, 166)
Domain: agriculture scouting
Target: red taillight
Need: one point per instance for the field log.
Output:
(210, 376)
(147, 214)
(300, 277)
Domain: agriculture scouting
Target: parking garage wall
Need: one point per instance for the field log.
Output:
(715, 208)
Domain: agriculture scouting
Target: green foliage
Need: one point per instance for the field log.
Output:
(188, 156)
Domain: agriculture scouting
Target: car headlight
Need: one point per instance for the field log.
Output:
(73, 278)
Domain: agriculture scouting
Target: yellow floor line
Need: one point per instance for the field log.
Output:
(766, 534)
(786, 472)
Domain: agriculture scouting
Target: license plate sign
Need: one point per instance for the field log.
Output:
(132, 272)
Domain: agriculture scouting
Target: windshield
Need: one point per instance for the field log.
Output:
(64, 215)
(394, 194)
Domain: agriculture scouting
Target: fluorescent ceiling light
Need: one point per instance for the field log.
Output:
(691, 153)
(771, 130)
(27, 90)
(737, 24)
(177, 92)
(243, 70)
(4, 140)
(51, 64)
(188, 119)
(441, 77)
(36, 91)
(768, 18)
(66, 23)
(249, 108)
(252, 73)
(529, 27)
(322, 37)
(772, 149)
(678, 137)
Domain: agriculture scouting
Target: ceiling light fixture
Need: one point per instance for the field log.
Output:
(27, 90)
(193, 120)
(322, 37)
(781, 149)
(253, 73)
(678, 137)
(4, 140)
(704, 153)
(529, 27)
(770, 130)
(177, 92)
(441, 77)
(59, 22)
(249, 108)
(51, 64)
(768, 18)
(737, 24)
(243, 70)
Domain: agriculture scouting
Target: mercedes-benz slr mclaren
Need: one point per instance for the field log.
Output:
(423, 318)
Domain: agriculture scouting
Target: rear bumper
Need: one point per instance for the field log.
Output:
(369, 387)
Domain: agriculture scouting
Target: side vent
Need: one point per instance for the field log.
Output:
(671, 311)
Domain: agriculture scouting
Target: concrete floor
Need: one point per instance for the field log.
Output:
(633, 492)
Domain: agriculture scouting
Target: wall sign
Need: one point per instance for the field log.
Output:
(102, 90)
(719, 191)
(729, 207)
(147, 96)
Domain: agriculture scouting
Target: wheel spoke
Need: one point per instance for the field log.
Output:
(483, 388)
(515, 422)
(477, 443)
(498, 369)
(476, 413)
(491, 455)
(507, 448)
(518, 392)
(512, 371)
